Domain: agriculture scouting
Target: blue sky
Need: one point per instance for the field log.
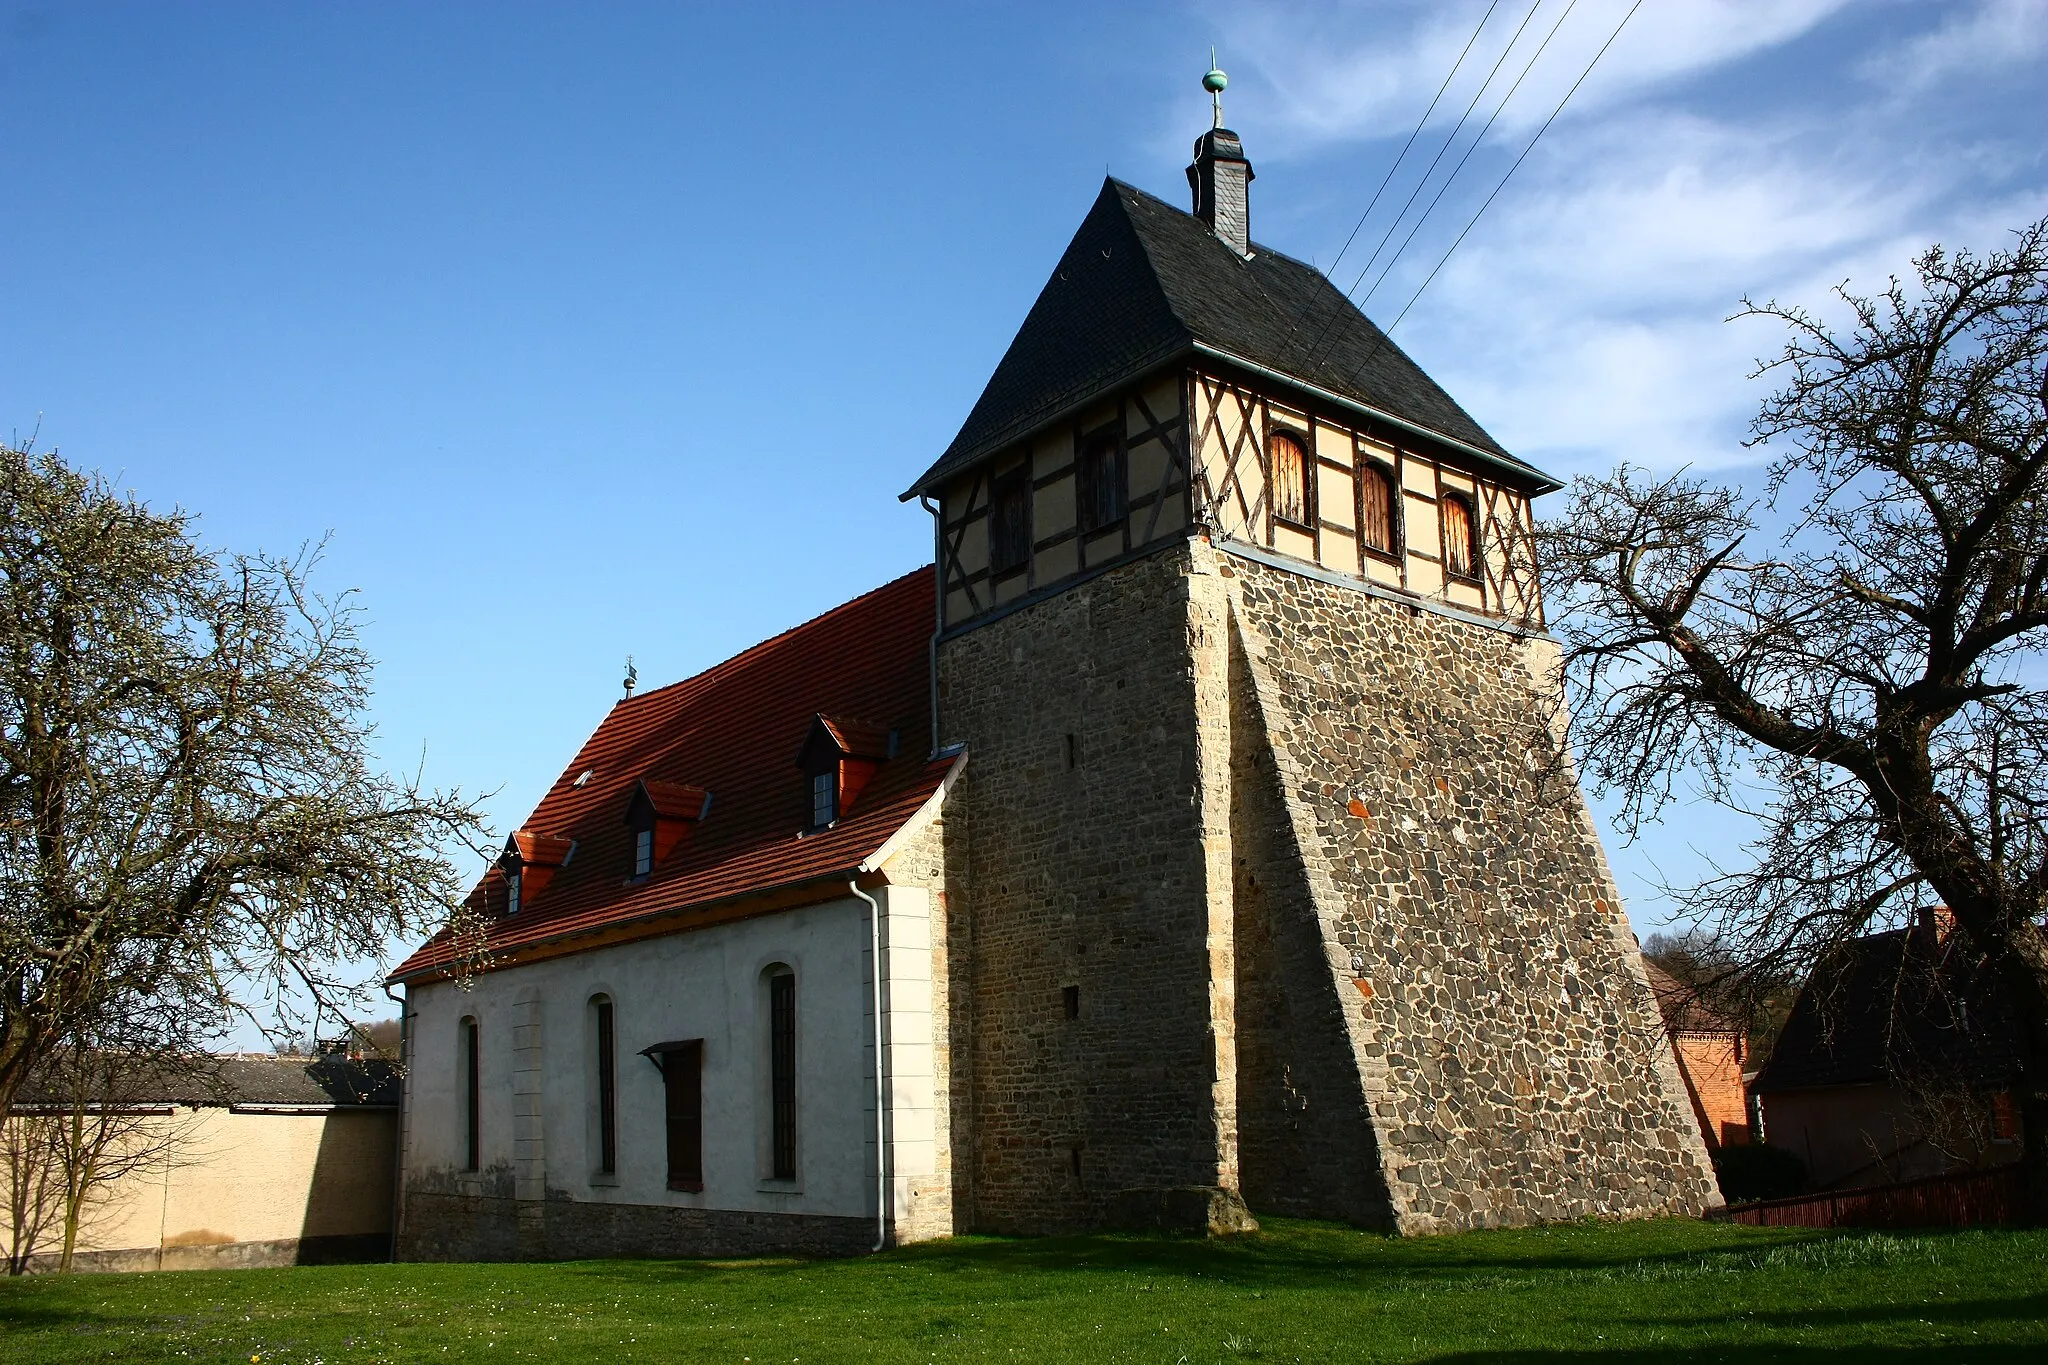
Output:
(596, 330)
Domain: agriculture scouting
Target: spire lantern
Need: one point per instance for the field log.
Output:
(1220, 175)
(1215, 82)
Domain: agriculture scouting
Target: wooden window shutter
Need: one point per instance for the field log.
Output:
(1099, 483)
(1461, 541)
(1290, 478)
(1009, 531)
(1376, 508)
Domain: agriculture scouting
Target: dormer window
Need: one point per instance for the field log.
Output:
(838, 758)
(659, 816)
(824, 799)
(529, 862)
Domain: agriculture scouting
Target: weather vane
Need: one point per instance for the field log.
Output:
(1215, 83)
(632, 676)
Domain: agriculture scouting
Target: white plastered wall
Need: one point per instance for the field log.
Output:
(538, 1133)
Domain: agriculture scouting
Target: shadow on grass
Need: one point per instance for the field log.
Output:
(1751, 1355)
(1961, 1313)
(1296, 1255)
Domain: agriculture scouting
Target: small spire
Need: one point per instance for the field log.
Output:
(632, 677)
(1215, 82)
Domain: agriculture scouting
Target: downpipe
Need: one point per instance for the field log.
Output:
(404, 1115)
(881, 1114)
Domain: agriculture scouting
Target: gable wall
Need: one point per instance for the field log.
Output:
(1148, 418)
(1232, 421)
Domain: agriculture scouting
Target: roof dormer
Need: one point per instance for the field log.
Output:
(529, 862)
(661, 815)
(839, 755)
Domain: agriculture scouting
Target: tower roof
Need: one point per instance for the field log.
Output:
(1143, 283)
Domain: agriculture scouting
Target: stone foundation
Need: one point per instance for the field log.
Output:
(458, 1227)
(349, 1249)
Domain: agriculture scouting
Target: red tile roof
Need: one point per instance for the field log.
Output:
(733, 731)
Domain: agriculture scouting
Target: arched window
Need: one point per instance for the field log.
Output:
(606, 1031)
(471, 1064)
(1289, 462)
(782, 1072)
(1378, 520)
(1461, 537)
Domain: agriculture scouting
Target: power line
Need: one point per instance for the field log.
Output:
(1330, 319)
(1456, 128)
(1504, 180)
(1527, 67)
(1388, 178)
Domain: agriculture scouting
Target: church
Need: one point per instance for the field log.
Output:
(1187, 841)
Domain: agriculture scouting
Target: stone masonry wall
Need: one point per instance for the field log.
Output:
(1465, 927)
(1110, 876)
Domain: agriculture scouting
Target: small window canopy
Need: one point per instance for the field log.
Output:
(658, 1053)
(840, 754)
(665, 812)
(530, 861)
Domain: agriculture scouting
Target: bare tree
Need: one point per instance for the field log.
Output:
(187, 800)
(97, 1118)
(1866, 678)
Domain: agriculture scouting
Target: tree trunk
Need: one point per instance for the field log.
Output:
(2026, 981)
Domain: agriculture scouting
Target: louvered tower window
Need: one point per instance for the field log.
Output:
(1461, 537)
(1290, 478)
(1376, 524)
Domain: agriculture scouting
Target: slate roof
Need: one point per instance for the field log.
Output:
(1893, 1003)
(733, 731)
(1142, 283)
(228, 1080)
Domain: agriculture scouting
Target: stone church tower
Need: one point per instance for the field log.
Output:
(1263, 884)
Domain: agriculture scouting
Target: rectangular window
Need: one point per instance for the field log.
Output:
(1461, 540)
(1070, 999)
(682, 1084)
(607, 1092)
(1290, 478)
(1099, 484)
(824, 799)
(1009, 522)
(472, 1094)
(512, 893)
(643, 853)
(782, 1073)
(1376, 508)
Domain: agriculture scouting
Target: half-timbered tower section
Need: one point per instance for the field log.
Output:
(1262, 886)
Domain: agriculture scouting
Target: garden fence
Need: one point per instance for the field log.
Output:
(1970, 1199)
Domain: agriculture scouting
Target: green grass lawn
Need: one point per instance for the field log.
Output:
(1298, 1291)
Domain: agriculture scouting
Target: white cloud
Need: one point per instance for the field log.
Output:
(1995, 34)
(1354, 72)
(1583, 321)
